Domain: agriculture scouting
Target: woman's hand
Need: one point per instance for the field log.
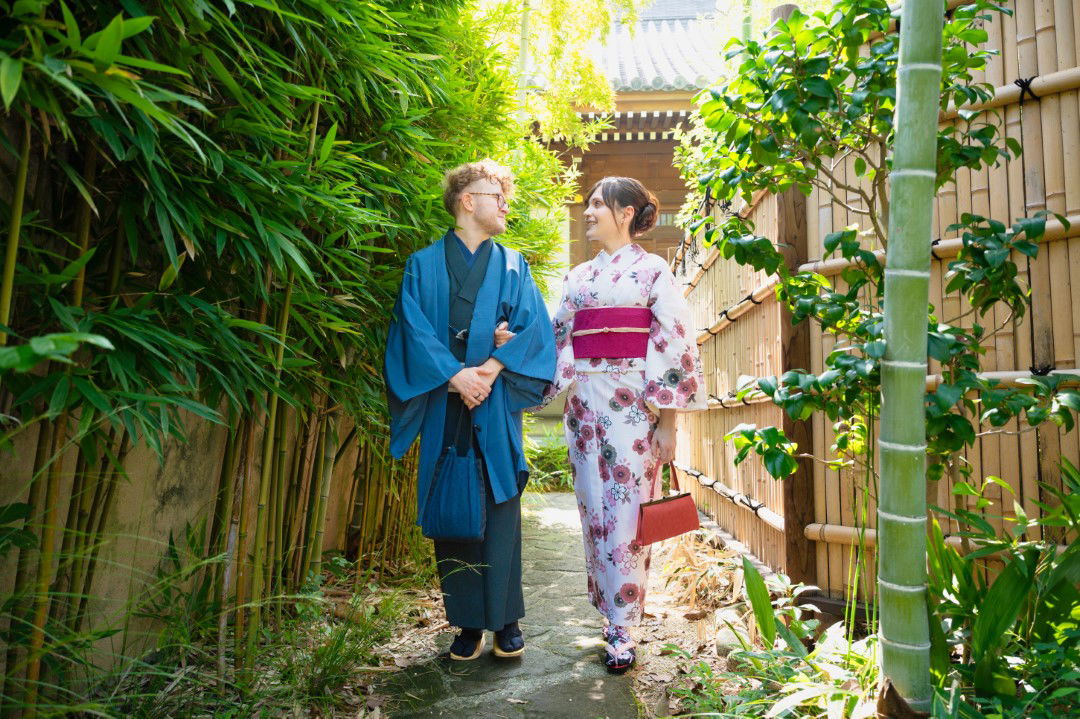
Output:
(663, 442)
(503, 334)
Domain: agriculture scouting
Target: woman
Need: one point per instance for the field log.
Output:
(629, 364)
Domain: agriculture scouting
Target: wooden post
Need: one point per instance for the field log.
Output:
(800, 554)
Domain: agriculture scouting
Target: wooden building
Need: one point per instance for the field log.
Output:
(656, 68)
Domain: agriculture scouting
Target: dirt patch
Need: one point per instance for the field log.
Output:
(694, 587)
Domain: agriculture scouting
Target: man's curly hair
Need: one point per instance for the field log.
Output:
(455, 181)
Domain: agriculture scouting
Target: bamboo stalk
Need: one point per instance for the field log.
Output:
(100, 513)
(302, 499)
(327, 466)
(379, 524)
(1045, 86)
(83, 224)
(277, 504)
(242, 522)
(904, 631)
(245, 432)
(62, 585)
(350, 496)
(24, 567)
(18, 196)
(290, 513)
(223, 501)
(45, 567)
(312, 500)
(262, 518)
(364, 510)
(1055, 232)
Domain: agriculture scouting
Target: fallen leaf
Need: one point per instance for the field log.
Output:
(517, 701)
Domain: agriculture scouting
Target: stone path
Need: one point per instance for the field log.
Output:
(560, 675)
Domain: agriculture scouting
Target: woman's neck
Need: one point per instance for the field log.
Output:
(615, 244)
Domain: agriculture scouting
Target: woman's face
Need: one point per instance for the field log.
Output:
(599, 219)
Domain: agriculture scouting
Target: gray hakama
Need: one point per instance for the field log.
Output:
(480, 581)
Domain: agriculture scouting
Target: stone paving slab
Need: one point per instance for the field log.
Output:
(560, 675)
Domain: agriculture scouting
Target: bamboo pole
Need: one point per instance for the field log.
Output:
(302, 501)
(19, 613)
(329, 450)
(1055, 232)
(101, 513)
(904, 630)
(272, 541)
(1045, 86)
(45, 567)
(842, 534)
(257, 583)
(223, 503)
(232, 518)
(241, 523)
(739, 499)
(312, 501)
(18, 196)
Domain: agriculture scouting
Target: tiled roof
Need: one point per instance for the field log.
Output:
(663, 54)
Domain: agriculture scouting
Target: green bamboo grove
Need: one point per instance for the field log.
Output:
(901, 516)
(207, 209)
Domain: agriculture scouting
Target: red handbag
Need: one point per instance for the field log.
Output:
(667, 517)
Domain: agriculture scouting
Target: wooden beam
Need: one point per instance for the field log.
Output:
(800, 556)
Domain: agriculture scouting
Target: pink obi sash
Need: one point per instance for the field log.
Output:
(611, 332)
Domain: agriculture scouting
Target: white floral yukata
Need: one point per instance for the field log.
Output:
(612, 412)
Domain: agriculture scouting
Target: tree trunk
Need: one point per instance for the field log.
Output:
(904, 630)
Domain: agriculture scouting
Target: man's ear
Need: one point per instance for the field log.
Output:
(466, 201)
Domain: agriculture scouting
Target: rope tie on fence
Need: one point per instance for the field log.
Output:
(1025, 87)
(751, 298)
(932, 246)
(1042, 370)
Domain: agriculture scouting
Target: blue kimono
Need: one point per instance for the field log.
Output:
(420, 360)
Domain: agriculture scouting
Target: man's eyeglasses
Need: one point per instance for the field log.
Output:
(499, 199)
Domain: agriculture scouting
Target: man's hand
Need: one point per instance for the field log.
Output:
(503, 334)
(473, 385)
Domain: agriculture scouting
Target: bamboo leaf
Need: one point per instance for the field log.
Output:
(108, 43)
(760, 601)
(71, 26)
(10, 78)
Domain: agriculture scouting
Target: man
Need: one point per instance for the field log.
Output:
(448, 383)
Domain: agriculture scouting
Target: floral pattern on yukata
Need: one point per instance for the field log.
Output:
(612, 410)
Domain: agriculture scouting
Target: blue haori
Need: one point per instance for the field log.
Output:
(419, 364)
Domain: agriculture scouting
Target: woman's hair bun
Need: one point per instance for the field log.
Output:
(646, 217)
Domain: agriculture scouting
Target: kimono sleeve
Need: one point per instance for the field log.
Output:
(529, 357)
(562, 325)
(673, 378)
(415, 363)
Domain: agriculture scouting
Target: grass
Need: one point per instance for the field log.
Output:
(549, 466)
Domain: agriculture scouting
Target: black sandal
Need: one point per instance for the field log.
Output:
(619, 654)
(508, 642)
(619, 663)
(467, 645)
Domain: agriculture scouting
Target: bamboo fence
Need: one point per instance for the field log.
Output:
(742, 331)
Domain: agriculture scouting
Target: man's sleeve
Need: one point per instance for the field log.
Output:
(529, 357)
(416, 360)
(415, 363)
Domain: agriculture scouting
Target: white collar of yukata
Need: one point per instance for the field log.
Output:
(603, 259)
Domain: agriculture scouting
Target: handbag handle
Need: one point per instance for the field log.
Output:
(672, 472)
